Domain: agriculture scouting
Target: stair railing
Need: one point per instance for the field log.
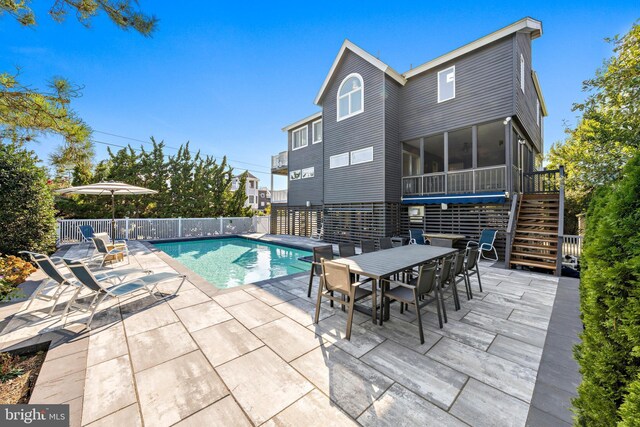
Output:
(513, 212)
(560, 223)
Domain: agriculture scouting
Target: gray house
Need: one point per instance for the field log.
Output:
(444, 146)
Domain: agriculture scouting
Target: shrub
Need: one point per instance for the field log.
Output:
(13, 271)
(609, 354)
(27, 219)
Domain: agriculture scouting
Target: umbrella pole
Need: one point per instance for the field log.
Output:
(113, 216)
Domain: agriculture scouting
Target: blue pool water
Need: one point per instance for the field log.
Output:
(235, 261)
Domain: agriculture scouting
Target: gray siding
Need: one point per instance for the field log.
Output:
(309, 189)
(393, 150)
(526, 102)
(484, 92)
(362, 182)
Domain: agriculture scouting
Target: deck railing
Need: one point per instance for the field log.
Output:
(279, 161)
(572, 245)
(163, 228)
(478, 180)
(279, 196)
(540, 182)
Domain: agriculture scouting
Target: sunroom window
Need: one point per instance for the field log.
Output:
(350, 96)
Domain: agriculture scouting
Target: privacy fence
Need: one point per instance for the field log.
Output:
(163, 228)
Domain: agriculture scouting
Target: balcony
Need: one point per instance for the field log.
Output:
(279, 196)
(280, 163)
(467, 181)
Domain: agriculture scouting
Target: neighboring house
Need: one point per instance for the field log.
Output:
(251, 189)
(264, 198)
(450, 138)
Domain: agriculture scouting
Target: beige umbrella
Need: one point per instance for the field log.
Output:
(107, 188)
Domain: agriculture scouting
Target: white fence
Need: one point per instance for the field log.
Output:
(163, 228)
(572, 245)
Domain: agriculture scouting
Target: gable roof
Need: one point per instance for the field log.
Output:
(302, 121)
(347, 45)
(527, 24)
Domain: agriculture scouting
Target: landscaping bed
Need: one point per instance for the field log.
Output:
(19, 371)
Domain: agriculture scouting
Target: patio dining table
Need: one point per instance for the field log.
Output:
(383, 264)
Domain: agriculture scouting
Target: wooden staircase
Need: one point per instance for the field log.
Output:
(535, 241)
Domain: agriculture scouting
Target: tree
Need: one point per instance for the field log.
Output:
(27, 219)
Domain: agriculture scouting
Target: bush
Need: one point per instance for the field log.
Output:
(27, 220)
(13, 271)
(609, 354)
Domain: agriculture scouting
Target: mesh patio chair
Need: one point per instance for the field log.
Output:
(471, 265)
(337, 278)
(319, 253)
(421, 291)
(346, 250)
(367, 246)
(487, 238)
(386, 243)
(109, 252)
(445, 281)
(100, 290)
(459, 273)
(416, 237)
(443, 243)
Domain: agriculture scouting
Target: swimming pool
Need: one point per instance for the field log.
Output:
(234, 261)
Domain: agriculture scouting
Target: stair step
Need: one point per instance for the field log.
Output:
(545, 233)
(534, 255)
(535, 239)
(536, 224)
(538, 264)
(538, 218)
(534, 246)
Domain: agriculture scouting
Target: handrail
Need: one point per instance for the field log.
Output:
(513, 213)
(478, 180)
(542, 182)
(560, 223)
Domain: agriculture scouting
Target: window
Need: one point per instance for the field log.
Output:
(293, 175)
(538, 112)
(251, 199)
(316, 127)
(308, 173)
(262, 195)
(299, 138)
(251, 184)
(491, 144)
(362, 156)
(350, 96)
(339, 160)
(411, 158)
(447, 84)
(460, 149)
(522, 72)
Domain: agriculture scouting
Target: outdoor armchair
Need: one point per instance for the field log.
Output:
(108, 251)
(386, 243)
(100, 290)
(367, 246)
(487, 238)
(416, 237)
(459, 273)
(346, 250)
(471, 265)
(319, 253)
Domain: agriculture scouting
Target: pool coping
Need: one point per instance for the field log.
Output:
(200, 282)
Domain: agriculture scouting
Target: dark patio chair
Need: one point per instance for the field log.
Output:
(417, 293)
(459, 274)
(346, 250)
(386, 243)
(337, 278)
(471, 265)
(445, 280)
(319, 253)
(416, 237)
(443, 243)
(367, 246)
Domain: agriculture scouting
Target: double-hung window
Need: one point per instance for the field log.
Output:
(447, 84)
(316, 128)
(522, 72)
(350, 96)
(299, 138)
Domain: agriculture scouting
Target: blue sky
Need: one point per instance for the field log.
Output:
(228, 76)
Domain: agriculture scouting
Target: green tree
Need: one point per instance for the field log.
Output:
(27, 219)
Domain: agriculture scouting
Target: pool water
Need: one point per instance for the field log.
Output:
(235, 261)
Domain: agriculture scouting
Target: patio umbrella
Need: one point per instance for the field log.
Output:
(108, 188)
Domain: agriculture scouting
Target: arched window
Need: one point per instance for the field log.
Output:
(350, 96)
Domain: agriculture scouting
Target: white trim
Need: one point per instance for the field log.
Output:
(336, 156)
(348, 95)
(368, 149)
(536, 85)
(522, 72)
(311, 169)
(364, 55)
(313, 132)
(306, 133)
(538, 112)
(302, 121)
(454, 83)
(530, 25)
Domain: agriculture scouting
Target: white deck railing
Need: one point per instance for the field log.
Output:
(572, 245)
(279, 196)
(163, 228)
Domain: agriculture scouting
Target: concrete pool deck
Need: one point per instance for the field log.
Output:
(251, 355)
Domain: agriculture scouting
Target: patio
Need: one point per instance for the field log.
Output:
(251, 355)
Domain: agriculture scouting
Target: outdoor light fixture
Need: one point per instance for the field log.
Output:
(443, 206)
(308, 204)
(507, 120)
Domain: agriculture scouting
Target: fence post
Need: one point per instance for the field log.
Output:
(221, 226)
(179, 226)
(126, 228)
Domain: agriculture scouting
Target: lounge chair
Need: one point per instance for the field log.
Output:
(487, 238)
(87, 232)
(319, 253)
(101, 290)
(337, 278)
(108, 251)
(367, 246)
(416, 237)
(320, 234)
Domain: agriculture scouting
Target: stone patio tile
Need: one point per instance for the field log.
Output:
(517, 303)
(516, 351)
(156, 346)
(150, 317)
(350, 383)
(203, 315)
(59, 389)
(129, 416)
(432, 380)
(233, 298)
(303, 311)
(62, 367)
(178, 388)
(254, 313)
(399, 406)
(106, 343)
(507, 328)
(495, 371)
(334, 329)
(64, 343)
(539, 418)
(108, 388)
(188, 298)
(271, 295)
(473, 336)
(481, 405)
(314, 409)
(263, 384)
(287, 338)
(236, 338)
(540, 321)
(484, 307)
(224, 412)
(554, 401)
(404, 333)
(499, 290)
